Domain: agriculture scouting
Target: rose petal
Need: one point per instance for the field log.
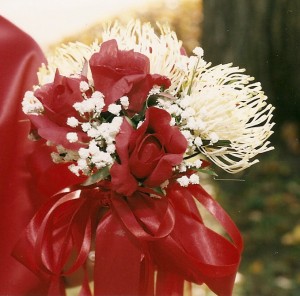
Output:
(122, 180)
(164, 170)
(117, 73)
(50, 131)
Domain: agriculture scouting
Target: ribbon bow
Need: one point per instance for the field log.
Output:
(143, 245)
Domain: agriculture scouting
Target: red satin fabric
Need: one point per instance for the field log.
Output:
(136, 236)
(20, 58)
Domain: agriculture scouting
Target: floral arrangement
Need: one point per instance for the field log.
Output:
(131, 123)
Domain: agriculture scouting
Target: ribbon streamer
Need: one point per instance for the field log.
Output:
(136, 237)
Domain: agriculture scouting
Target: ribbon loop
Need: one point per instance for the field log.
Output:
(146, 218)
(134, 237)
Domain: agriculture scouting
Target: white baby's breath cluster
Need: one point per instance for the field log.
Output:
(100, 152)
(31, 105)
(222, 112)
(184, 181)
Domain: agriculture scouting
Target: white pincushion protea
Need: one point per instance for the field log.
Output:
(70, 59)
(226, 106)
(221, 111)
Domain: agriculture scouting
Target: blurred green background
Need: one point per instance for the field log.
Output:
(262, 36)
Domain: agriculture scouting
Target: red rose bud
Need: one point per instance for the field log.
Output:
(147, 154)
(58, 99)
(117, 73)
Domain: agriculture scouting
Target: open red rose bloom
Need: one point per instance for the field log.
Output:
(124, 202)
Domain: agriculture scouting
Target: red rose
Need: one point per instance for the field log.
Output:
(58, 99)
(147, 154)
(117, 73)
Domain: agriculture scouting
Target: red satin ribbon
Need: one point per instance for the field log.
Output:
(135, 237)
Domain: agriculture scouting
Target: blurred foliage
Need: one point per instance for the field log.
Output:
(183, 16)
(263, 37)
(266, 208)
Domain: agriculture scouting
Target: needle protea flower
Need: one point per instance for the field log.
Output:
(227, 115)
(220, 110)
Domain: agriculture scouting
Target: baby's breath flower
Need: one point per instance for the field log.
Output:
(94, 132)
(187, 134)
(198, 51)
(102, 159)
(175, 109)
(194, 179)
(173, 121)
(214, 138)
(93, 147)
(97, 95)
(31, 105)
(183, 181)
(72, 121)
(111, 148)
(72, 137)
(155, 90)
(83, 153)
(74, 169)
(198, 163)
(86, 126)
(114, 109)
(84, 86)
(124, 102)
(182, 168)
(88, 105)
(82, 164)
(79, 107)
(198, 141)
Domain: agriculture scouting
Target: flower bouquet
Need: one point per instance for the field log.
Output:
(126, 128)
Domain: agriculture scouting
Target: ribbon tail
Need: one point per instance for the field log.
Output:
(56, 287)
(168, 283)
(85, 287)
(118, 260)
(147, 277)
(195, 252)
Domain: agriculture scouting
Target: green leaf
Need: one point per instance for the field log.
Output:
(158, 190)
(130, 121)
(222, 143)
(96, 177)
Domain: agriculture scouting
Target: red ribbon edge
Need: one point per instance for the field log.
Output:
(165, 237)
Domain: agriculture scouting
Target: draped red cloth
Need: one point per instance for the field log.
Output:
(20, 58)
